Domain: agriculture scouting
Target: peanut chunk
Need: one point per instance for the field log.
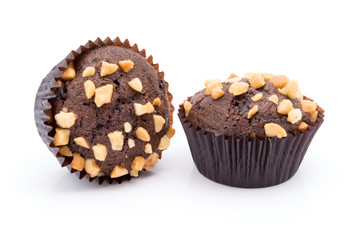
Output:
(158, 123)
(308, 106)
(252, 111)
(156, 102)
(164, 143)
(233, 75)
(88, 72)
(238, 88)
(302, 126)
(116, 139)
(91, 167)
(273, 99)
(131, 143)
(248, 75)
(89, 88)
(127, 127)
(294, 115)
(138, 163)
(65, 151)
(211, 84)
(136, 84)
(284, 107)
(65, 119)
(170, 132)
(134, 173)
(151, 161)
(118, 171)
(78, 162)
(187, 107)
(256, 81)
(60, 83)
(103, 95)
(142, 134)
(217, 93)
(313, 116)
(100, 152)
(291, 89)
(81, 141)
(143, 109)
(279, 81)
(107, 68)
(148, 148)
(273, 129)
(233, 80)
(267, 76)
(126, 65)
(257, 97)
(61, 137)
(69, 72)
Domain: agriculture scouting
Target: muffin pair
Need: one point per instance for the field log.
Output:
(105, 112)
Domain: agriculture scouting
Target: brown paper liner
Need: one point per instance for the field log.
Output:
(42, 107)
(244, 162)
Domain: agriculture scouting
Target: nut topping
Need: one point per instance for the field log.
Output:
(65, 151)
(136, 84)
(89, 88)
(233, 80)
(294, 115)
(158, 123)
(170, 132)
(138, 163)
(211, 84)
(134, 173)
(238, 88)
(156, 102)
(279, 81)
(148, 148)
(257, 97)
(284, 107)
(143, 109)
(142, 134)
(127, 127)
(187, 107)
(252, 111)
(302, 126)
(116, 139)
(100, 152)
(69, 72)
(81, 141)
(273, 129)
(61, 137)
(164, 143)
(131, 143)
(291, 89)
(217, 93)
(267, 76)
(78, 162)
(126, 65)
(65, 119)
(91, 167)
(233, 75)
(118, 171)
(308, 106)
(313, 116)
(103, 95)
(151, 161)
(256, 81)
(107, 68)
(88, 72)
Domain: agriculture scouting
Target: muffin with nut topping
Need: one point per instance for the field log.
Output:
(250, 132)
(111, 113)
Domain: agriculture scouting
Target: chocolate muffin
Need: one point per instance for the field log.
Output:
(253, 131)
(111, 113)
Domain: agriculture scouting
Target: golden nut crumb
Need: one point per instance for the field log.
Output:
(65, 119)
(238, 88)
(60, 83)
(252, 111)
(89, 88)
(273, 130)
(233, 75)
(138, 163)
(127, 127)
(302, 126)
(217, 93)
(170, 132)
(212, 84)
(281, 91)
(279, 81)
(267, 76)
(291, 89)
(131, 143)
(187, 107)
(61, 137)
(65, 151)
(91, 167)
(136, 84)
(69, 72)
(164, 143)
(148, 148)
(248, 75)
(116, 139)
(313, 116)
(142, 134)
(81, 141)
(78, 162)
(103, 95)
(134, 173)
(151, 161)
(299, 95)
(308, 106)
(256, 81)
(100, 152)
(88, 72)
(107, 68)
(126, 65)
(284, 107)
(257, 97)
(118, 171)
(294, 115)
(273, 99)
(158, 123)
(233, 80)
(143, 109)
(156, 102)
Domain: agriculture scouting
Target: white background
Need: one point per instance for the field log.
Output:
(315, 42)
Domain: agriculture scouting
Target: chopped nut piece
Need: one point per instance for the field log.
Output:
(248, 75)
(291, 89)
(267, 76)
(126, 65)
(294, 115)
(151, 161)
(238, 88)
(134, 173)
(103, 95)
(308, 106)
(148, 148)
(59, 83)
(81, 141)
(142, 134)
(78, 162)
(88, 72)
(61, 137)
(273, 99)
(138, 163)
(65, 119)
(283, 92)
(131, 143)
(233, 80)
(257, 97)
(302, 126)
(212, 84)
(89, 88)
(279, 81)
(164, 143)
(158, 123)
(143, 109)
(217, 93)
(252, 111)
(127, 127)
(273, 129)
(64, 109)
(187, 107)
(65, 151)
(299, 95)
(284, 107)
(170, 132)
(156, 102)
(313, 116)
(136, 84)
(232, 76)
(118, 171)
(69, 72)
(256, 81)
(107, 68)
(100, 152)
(116, 139)
(91, 167)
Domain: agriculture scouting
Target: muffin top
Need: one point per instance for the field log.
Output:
(111, 112)
(257, 105)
